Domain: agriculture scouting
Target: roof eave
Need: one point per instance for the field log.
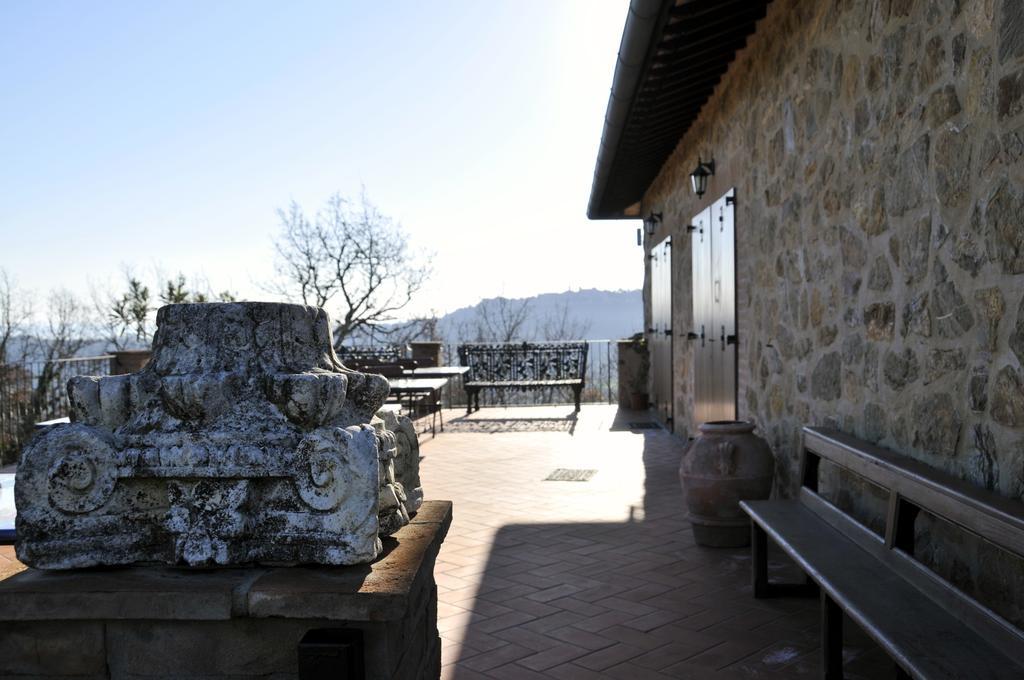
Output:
(672, 57)
(643, 23)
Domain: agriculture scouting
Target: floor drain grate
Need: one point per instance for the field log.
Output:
(567, 475)
(644, 426)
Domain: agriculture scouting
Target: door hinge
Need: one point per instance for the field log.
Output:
(727, 339)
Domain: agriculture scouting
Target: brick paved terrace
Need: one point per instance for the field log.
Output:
(598, 579)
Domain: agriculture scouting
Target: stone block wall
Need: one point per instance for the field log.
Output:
(877, 150)
(227, 624)
(408, 649)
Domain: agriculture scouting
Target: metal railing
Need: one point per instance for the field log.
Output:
(36, 391)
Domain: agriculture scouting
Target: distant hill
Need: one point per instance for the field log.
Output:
(583, 314)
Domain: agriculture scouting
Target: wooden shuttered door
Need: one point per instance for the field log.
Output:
(714, 311)
(661, 328)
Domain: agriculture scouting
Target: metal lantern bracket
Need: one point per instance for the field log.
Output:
(651, 222)
(700, 174)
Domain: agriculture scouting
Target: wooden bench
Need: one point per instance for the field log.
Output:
(523, 366)
(928, 627)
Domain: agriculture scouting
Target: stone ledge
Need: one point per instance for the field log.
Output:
(380, 591)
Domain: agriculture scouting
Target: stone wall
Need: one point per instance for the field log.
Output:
(227, 624)
(876, 149)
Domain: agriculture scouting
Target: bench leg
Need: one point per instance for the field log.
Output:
(759, 559)
(759, 571)
(433, 419)
(469, 402)
(578, 390)
(831, 639)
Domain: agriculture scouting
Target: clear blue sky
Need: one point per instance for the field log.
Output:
(165, 134)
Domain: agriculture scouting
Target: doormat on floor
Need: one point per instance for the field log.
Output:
(567, 475)
(646, 425)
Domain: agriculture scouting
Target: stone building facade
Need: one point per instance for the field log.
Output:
(876, 150)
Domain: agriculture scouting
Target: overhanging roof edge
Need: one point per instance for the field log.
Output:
(643, 22)
(648, 113)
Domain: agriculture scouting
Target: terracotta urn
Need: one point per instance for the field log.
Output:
(726, 464)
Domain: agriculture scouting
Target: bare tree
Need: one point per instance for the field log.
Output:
(501, 320)
(31, 382)
(68, 327)
(350, 254)
(66, 331)
(401, 334)
(15, 313)
(561, 324)
(15, 380)
(429, 327)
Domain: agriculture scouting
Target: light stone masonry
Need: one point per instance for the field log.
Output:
(877, 152)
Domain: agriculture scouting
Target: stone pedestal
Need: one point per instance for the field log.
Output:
(243, 441)
(633, 368)
(165, 622)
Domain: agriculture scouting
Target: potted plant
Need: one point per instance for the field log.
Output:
(638, 397)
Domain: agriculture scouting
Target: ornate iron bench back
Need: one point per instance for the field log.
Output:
(372, 355)
(524, 362)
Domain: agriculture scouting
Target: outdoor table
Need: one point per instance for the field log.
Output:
(436, 371)
(413, 387)
(439, 372)
(7, 511)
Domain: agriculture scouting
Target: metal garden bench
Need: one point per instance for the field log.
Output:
(929, 627)
(522, 366)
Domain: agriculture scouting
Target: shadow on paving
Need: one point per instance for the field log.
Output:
(467, 424)
(639, 599)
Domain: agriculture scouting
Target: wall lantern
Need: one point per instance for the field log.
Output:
(699, 177)
(651, 223)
